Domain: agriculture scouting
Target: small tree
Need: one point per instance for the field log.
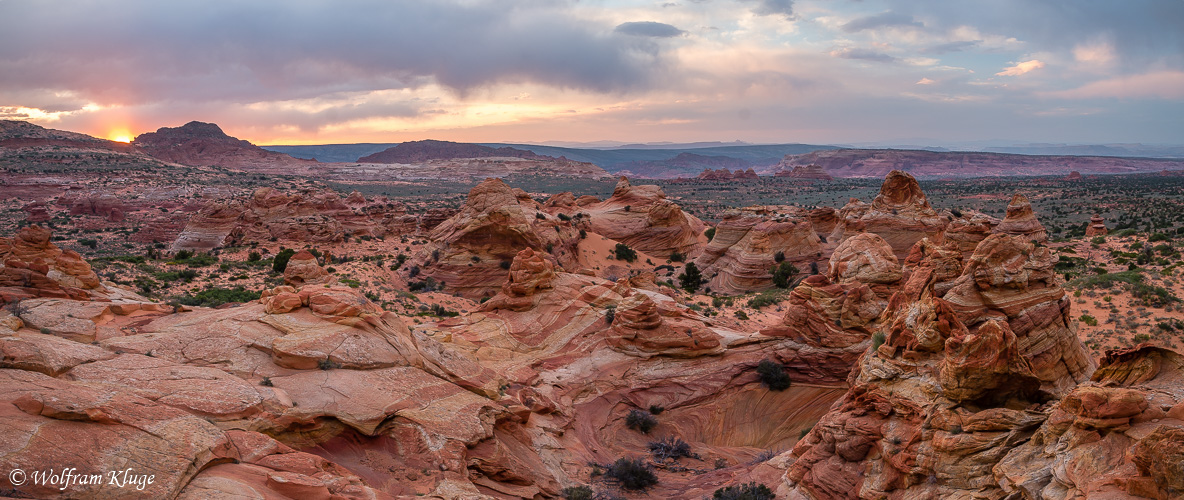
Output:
(783, 273)
(691, 278)
(773, 375)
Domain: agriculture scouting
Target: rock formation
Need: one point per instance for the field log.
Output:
(810, 172)
(308, 217)
(953, 385)
(1073, 176)
(1096, 227)
(746, 246)
(34, 267)
(642, 217)
(303, 269)
(471, 252)
(968, 231)
(202, 144)
(900, 214)
(1021, 221)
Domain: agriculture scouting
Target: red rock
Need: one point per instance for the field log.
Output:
(900, 214)
(740, 257)
(303, 269)
(811, 172)
(642, 217)
(1022, 221)
(1097, 227)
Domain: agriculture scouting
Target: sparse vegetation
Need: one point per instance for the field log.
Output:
(640, 421)
(749, 491)
(631, 474)
(772, 375)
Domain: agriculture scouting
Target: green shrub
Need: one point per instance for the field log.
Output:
(773, 375)
(783, 273)
(690, 279)
(214, 297)
(750, 491)
(877, 340)
(766, 298)
(280, 262)
(581, 492)
(623, 252)
(1089, 320)
(709, 233)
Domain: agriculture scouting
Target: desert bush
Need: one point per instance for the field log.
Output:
(640, 421)
(670, 448)
(631, 474)
(280, 262)
(623, 252)
(783, 273)
(581, 492)
(750, 491)
(773, 375)
(214, 297)
(709, 233)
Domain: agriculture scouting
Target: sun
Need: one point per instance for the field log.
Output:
(120, 135)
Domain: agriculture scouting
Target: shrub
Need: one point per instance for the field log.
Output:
(677, 257)
(741, 315)
(266, 382)
(254, 256)
(766, 298)
(280, 262)
(631, 474)
(779, 257)
(564, 217)
(691, 278)
(427, 285)
(183, 255)
(656, 409)
(670, 448)
(640, 421)
(623, 252)
(581, 492)
(1089, 320)
(87, 242)
(783, 273)
(750, 491)
(877, 340)
(214, 297)
(709, 233)
(773, 375)
(610, 313)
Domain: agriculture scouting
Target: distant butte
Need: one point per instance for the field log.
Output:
(200, 144)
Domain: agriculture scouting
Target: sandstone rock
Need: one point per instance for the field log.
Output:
(471, 252)
(900, 214)
(968, 231)
(740, 257)
(812, 172)
(1021, 221)
(1096, 227)
(32, 266)
(865, 258)
(303, 269)
(642, 217)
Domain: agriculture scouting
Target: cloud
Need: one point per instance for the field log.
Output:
(1154, 85)
(136, 51)
(945, 48)
(925, 81)
(773, 8)
(1096, 52)
(862, 54)
(1021, 68)
(648, 28)
(882, 20)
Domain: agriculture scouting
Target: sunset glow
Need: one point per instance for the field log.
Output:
(762, 71)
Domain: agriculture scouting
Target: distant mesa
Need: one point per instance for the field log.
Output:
(1073, 176)
(202, 144)
(426, 150)
(21, 134)
(811, 171)
(877, 163)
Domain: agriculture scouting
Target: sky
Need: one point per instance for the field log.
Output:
(533, 71)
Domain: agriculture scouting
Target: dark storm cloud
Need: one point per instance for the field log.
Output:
(883, 20)
(135, 51)
(648, 28)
